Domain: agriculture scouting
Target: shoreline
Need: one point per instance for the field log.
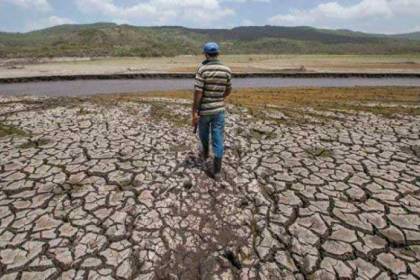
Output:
(167, 75)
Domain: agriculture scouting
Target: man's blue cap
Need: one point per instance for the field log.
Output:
(211, 48)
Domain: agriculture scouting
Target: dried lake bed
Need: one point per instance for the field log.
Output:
(111, 188)
(408, 63)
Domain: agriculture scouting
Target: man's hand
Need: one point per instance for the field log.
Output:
(195, 118)
(227, 92)
(196, 104)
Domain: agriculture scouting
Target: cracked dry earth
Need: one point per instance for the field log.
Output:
(114, 191)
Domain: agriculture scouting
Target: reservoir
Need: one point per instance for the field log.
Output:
(93, 87)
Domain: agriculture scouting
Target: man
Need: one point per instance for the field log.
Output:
(212, 86)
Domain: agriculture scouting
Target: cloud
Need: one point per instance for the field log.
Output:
(247, 22)
(245, 1)
(406, 7)
(41, 5)
(158, 11)
(367, 14)
(48, 22)
(56, 20)
(365, 8)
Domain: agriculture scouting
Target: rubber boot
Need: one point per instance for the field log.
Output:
(204, 154)
(217, 169)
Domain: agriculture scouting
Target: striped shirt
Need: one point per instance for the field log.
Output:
(212, 79)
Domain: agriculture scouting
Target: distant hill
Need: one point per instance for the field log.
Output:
(109, 39)
(411, 36)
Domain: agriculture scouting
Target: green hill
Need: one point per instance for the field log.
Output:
(411, 36)
(109, 39)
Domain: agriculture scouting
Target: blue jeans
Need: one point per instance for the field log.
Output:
(216, 124)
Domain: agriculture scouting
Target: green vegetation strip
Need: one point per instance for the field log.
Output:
(9, 130)
(319, 152)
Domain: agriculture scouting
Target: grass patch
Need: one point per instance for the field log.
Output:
(179, 148)
(105, 101)
(316, 152)
(161, 111)
(239, 131)
(257, 113)
(320, 99)
(259, 134)
(332, 99)
(83, 111)
(292, 102)
(35, 143)
(293, 116)
(388, 112)
(9, 130)
(254, 230)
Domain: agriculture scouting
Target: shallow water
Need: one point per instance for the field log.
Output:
(92, 87)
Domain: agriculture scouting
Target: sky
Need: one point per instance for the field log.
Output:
(374, 16)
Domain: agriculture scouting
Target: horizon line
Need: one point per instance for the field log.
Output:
(205, 28)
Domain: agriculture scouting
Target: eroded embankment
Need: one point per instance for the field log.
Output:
(191, 75)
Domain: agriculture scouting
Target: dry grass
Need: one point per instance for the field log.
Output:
(378, 100)
(292, 102)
